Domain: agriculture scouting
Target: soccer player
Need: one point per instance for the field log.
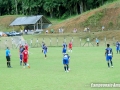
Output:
(117, 46)
(64, 45)
(66, 62)
(20, 52)
(70, 47)
(8, 57)
(64, 50)
(25, 58)
(97, 42)
(109, 55)
(26, 46)
(45, 50)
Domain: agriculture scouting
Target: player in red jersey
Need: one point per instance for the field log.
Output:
(25, 58)
(26, 46)
(70, 47)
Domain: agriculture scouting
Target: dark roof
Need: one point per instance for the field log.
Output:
(27, 20)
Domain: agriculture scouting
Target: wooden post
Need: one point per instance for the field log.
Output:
(80, 41)
(31, 43)
(43, 40)
(50, 41)
(37, 42)
(105, 41)
(88, 40)
(72, 39)
(113, 41)
(57, 41)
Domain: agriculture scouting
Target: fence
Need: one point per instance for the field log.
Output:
(57, 42)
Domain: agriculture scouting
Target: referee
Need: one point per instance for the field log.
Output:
(8, 57)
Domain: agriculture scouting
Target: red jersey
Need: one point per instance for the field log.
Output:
(25, 54)
(26, 47)
(70, 45)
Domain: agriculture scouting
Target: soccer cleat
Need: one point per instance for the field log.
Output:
(112, 66)
(67, 71)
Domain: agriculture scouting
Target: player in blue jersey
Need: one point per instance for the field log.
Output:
(8, 57)
(66, 62)
(45, 50)
(109, 55)
(64, 48)
(21, 49)
(117, 46)
(64, 45)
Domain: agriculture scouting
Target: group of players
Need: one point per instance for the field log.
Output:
(24, 54)
(66, 57)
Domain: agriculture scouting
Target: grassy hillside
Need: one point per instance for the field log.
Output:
(107, 15)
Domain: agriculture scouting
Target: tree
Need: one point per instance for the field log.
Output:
(48, 6)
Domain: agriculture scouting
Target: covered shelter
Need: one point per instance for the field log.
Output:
(38, 22)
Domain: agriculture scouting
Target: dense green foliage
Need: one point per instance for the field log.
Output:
(52, 8)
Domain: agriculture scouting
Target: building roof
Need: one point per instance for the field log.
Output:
(27, 20)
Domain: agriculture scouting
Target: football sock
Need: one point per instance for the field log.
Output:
(7, 64)
(108, 64)
(111, 63)
(71, 50)
(20, 62)
(45, 55)
(65, 68)
(68, 50)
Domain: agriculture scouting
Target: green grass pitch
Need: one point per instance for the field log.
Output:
(87, 64)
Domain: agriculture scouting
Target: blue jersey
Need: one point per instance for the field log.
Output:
(108, 54)
(7, 52)
(117, 46)
(65, 59)
(108, 51)
(45, 48)
(64, 45)
(97, 41)
(21, 50)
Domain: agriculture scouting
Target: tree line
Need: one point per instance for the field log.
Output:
(52, 8)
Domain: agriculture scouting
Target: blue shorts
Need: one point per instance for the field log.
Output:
(21, 57)
(65, 62)
(108, 58)
(45, 52)
(64, 51)
(117, 48)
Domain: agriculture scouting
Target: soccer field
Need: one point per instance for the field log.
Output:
(87, 64)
